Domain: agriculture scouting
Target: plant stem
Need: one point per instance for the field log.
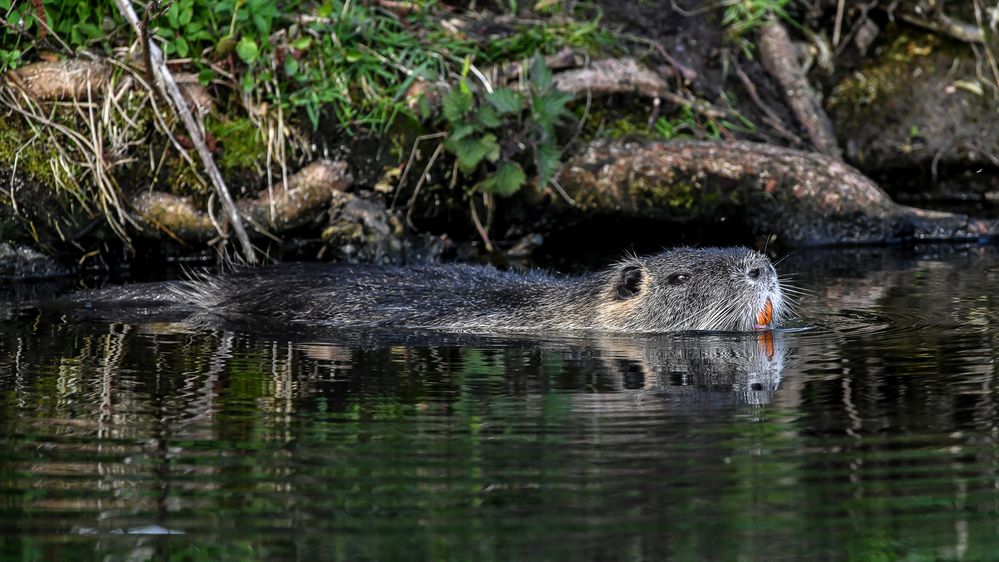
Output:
(162, 73)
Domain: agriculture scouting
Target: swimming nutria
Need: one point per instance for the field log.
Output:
(677, 290)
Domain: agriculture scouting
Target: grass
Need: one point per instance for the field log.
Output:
(279, 71)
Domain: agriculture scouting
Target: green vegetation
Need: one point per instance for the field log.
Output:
(282, 74)
(503, 126)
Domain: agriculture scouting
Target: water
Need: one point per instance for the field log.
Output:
(868, 431)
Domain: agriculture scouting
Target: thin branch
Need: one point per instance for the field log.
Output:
(173, 94)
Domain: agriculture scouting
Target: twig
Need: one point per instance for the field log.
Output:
(838, 28)
(162, 73)
(775, 120)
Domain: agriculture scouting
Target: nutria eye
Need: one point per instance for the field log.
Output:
(678, 279)
(755, 273)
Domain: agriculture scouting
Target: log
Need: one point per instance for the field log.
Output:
(804, 198)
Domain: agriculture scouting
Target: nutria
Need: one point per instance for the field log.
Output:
(729, 289)
(677, 290)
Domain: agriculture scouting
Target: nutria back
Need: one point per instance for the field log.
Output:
(677, 290)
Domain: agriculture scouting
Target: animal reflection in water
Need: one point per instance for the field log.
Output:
(697, 369)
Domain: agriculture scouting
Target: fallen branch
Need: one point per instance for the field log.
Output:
(950, 27)
(176, 98)
(309, 193)
(778, 57)
(804, 197)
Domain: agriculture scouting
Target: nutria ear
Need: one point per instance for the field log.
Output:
(629, 282)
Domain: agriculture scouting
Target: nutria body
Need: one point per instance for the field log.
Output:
(731, 289)
(677, 290)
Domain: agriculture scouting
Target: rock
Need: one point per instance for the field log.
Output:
(22, 262)
(362, 230)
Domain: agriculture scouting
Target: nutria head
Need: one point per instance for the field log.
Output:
(728, 289)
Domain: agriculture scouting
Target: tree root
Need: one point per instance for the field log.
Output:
(309, 193)
(60, 80)
(777, 56)
(805, 198)
(611, 76)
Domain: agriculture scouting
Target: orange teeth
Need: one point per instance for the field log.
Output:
(766, 316)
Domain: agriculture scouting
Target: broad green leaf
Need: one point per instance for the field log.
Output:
(182, 47)
(486, 115)
(541, 75)
(505, 101)
(302, 43)
(471, 151)
(173, 16)
(185, 16)
(247, 49)
(455, 105)
(548, 162)
(509, 177)
(460, 132)
(549, 107)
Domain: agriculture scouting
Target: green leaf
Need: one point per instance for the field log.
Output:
(290, 66)
(541, 75)
(548, 161)
(507, 180)
(185, 16)
(455, 105)
(549, 108)
(302, 43)
(182, 47)
(173, 16)
(461, 132)
(247, 49)
(505, 101)
(471, 151)
(486, 115)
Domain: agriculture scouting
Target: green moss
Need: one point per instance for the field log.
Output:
(33, 158)
(889, 74)
(242, 146)
(677, 196)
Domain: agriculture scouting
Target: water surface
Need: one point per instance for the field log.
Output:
(868, 432)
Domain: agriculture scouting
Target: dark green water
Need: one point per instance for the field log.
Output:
(872, 433)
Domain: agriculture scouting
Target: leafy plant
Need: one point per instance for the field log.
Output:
(495, 135)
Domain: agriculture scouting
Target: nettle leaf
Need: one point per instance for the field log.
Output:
(471, 151)
(541, 75)
(456, 104)
(507, 180)
(505, 101)
(487, 116)
(549, 107)
(548, 160)
(247, 49)
(461, 131)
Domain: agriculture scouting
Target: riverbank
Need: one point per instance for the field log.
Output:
(401, 131)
